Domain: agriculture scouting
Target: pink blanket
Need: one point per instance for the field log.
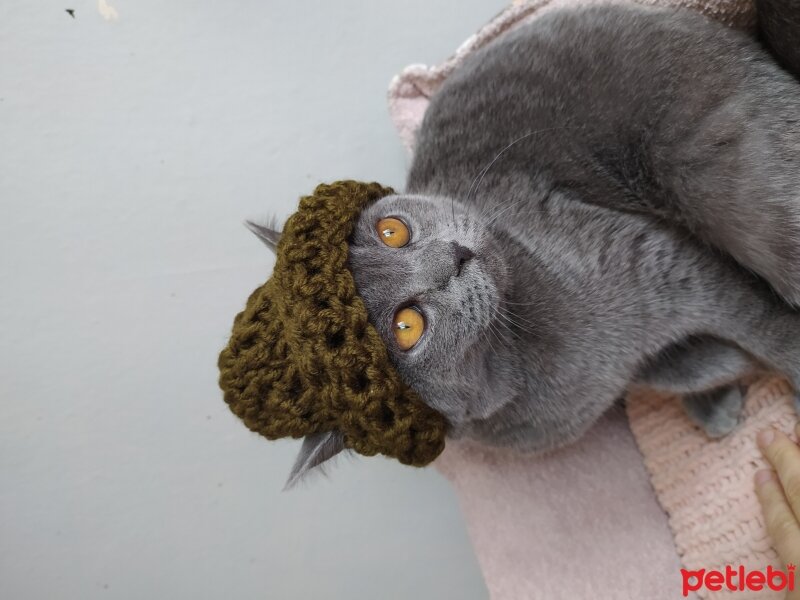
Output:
(582, 523)
(644, 493)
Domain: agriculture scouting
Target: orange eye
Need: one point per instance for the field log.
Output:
(408, 327)
(393, 232)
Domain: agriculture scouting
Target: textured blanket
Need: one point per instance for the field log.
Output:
(645, 493)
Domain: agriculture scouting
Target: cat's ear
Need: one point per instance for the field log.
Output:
(316, 449)
(269, 236)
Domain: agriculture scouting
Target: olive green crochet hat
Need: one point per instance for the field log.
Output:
(303, 357)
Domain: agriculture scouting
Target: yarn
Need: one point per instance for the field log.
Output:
(706, 486)
(303, 357)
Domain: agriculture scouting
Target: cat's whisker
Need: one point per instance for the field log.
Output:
(507, 208)
(535, 303)
(515, 329)
(489, 330)
(476, 183)
(487, 217)
(509, 321)
(494, 334)
(508, 328)
(497, 318)
(519, 317)
(493, 320)
(505, 331)
(479, 178)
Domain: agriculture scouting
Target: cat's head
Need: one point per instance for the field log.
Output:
(434, 279)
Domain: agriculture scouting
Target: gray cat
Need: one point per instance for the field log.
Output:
(607, 197)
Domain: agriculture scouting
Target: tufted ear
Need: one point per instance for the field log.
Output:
(316, 449)
(269, 236)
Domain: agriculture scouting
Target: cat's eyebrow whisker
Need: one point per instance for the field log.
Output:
(486, 213)
(501, 208)
(500, 212)
(476, 183)
(479, 177)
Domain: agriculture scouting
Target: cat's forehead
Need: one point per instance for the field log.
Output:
(404, 205)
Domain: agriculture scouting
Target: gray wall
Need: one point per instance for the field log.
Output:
(130, 152)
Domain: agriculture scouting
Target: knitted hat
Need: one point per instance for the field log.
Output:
(303, 357)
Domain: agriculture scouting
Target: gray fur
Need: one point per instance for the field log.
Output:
(780, 26)
(717, 411)
(650, 133)
(316, 450)
(266, 233)
(628, 180)
(697, 364)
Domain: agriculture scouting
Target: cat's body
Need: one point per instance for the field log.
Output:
(617, 175)
(599, 147)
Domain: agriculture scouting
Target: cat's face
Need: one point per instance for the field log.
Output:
(450, 347)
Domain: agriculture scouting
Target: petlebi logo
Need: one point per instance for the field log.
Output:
(738, 579)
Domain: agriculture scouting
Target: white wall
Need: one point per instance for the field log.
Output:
(130, 152)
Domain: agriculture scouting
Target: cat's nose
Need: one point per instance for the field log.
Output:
(460, 256)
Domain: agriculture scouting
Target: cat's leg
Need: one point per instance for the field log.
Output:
(730, 172)
(745, 198)
(718, 411)
(773, 337)
(708, 372)
(741, 190)
(700, 363)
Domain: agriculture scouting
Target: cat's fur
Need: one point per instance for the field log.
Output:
(628, 180)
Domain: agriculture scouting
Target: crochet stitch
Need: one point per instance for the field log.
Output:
(303, 357)
(706, 486)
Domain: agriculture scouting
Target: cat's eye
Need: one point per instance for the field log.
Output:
(393, 232)
(408, 327)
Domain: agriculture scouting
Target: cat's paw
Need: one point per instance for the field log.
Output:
(717, 412)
